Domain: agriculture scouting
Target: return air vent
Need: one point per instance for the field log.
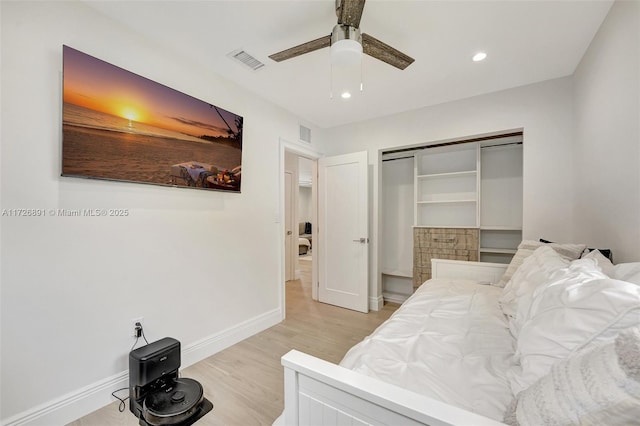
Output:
(246, 59)
(305, 134)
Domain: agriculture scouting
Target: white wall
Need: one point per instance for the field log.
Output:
(607, 136)
(543, 111)
(71, 285)
(304, 204)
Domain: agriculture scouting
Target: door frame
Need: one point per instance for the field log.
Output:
(313, 155)
(290, 271)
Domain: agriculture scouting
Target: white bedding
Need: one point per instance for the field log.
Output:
(449, 341)
(304, 242)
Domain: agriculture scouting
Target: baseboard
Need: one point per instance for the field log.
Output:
(376, 303)
(395, 297)
(213, 344)
(83, 401)
(72, 405)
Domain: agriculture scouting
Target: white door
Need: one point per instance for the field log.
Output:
(343, 231)
(289, 259)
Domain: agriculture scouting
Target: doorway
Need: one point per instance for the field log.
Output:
(299, 217)
(291, 155)
(341, 214)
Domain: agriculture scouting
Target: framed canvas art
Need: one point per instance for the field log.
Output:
(120, 126)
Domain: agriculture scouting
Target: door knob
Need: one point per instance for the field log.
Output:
(288, 232)
(361, 240)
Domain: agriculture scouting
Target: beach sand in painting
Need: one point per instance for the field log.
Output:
(133, 157)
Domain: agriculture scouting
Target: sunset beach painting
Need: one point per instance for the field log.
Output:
(120, 126)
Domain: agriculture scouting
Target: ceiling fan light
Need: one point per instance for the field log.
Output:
(346, 52)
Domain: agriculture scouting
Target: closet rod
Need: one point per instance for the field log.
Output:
(482, 147)
(398, 158)
(501, 144)
(479, 139)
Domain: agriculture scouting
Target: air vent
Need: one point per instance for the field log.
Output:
(305, 134)
(246, 59)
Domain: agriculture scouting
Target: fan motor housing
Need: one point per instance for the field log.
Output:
(346, 45)
(345, 32)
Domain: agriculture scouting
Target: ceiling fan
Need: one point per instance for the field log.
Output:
(345, 39)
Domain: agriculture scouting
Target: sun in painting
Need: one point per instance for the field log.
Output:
(130, 114)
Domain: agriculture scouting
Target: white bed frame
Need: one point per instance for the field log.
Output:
(317, 392)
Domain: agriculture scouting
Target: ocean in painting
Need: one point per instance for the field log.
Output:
(84, 117)
(101, 145)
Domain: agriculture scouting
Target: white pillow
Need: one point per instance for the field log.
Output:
(578, 271)
(572, 312)
(526, 249)
(597, 387)
(603, 263)
(534, 271)
(629, 272)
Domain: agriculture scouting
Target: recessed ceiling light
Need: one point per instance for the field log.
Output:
(479, 56)
(345, 95)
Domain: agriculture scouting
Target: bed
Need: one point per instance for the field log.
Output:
(304, 245)
(485, 344)
(305, 238)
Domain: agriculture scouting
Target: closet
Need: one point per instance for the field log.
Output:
(457, 200)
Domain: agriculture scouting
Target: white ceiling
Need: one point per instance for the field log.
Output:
(527, 42)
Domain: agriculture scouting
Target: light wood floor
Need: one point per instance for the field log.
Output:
(245, 381)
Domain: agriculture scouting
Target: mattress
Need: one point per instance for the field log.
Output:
(449, 341)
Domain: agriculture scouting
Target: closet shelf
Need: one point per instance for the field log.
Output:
(447, 226)
(447, 175)
(447, 201)
(497, 250)
(501, 228)
(398, 273)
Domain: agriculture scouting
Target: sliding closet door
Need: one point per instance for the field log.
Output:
(343, 231)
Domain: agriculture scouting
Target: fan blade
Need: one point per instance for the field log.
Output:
(350, 12)
(379, 50)
(301, 49)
